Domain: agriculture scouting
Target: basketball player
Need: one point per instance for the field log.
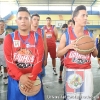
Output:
(78, 76)
(98, 47)
(51, 37)
(71, 23)
(64, 27)
(35, 28)
(2, 60)
(24, 51)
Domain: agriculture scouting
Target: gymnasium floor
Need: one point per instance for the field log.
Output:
(54, 90)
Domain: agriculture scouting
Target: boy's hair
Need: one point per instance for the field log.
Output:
(23, 9)
(76, 11)
(64, 26)
(1, 20)
(48, 18)
(35, 15)
(71, 20)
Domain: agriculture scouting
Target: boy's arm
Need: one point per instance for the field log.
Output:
(37, 68)
(13, 70)
(62, 48)
(45, 50)
(56, 32)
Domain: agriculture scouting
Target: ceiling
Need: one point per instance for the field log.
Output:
(26, 3)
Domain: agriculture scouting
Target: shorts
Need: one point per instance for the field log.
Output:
(52, 50)
(78, 84)
(2, 60)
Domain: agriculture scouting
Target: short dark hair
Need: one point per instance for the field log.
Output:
(77, 9)
(71, 20)
(48, 18)
(64, 26)
(1, 20)
(23, 9)
(35, 15)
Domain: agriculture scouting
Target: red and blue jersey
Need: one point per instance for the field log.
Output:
(73, 59)
(24, 54)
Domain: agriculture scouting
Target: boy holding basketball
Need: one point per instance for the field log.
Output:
(78, 76)
(24, 51)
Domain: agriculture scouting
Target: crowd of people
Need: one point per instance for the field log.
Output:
(26, 51)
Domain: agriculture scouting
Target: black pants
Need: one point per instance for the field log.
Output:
(61, 67)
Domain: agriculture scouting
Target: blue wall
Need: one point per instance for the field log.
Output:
(58, 12)
(89, 26)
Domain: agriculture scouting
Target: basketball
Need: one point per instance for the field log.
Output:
(85, 45)
(34, 90)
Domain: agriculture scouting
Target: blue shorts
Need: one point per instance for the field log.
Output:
(14, 93)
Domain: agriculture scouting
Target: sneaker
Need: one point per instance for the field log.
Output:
(54, 71)
(60, 79)
(5, 80)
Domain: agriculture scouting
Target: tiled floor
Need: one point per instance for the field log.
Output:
(54, 90)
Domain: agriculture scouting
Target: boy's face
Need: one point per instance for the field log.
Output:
(81, 18)
(23, 20)
(35, 21)
(48, 21)
(70, 24)
(2, 25)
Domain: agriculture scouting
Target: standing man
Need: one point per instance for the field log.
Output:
(2, 59)
(34, 27)
(64, 28)
(24, 51)
(78, 76)
(51, 36)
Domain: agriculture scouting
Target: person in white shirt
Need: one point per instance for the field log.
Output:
(2, 59)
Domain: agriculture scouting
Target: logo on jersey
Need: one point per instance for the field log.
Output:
(74, 81)
(78, 58)
(48, 35)
(16, 43)
(24, 58)
(29, 46)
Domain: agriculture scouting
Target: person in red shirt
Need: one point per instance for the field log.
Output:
(35, 27)
(51, 37)
(24, 52)
(64, 28)
(78, 75)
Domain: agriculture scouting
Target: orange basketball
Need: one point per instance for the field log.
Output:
(35, 89)
(85, 44)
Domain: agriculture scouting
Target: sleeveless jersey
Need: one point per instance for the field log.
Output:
(50, 35)
(73, 59)
(24, 54)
